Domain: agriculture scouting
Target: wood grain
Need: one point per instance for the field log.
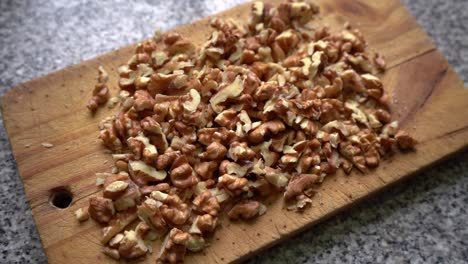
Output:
(428, 99)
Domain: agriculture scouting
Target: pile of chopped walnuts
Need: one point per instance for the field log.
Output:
(271, 106)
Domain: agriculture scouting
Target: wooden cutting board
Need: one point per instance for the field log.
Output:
(428, 99)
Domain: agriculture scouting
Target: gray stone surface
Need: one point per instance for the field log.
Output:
(423, 220)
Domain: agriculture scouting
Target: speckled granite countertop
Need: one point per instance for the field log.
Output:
(421, 221)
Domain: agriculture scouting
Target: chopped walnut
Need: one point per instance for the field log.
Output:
(112, 253)
(174, 211)
(246, 210)
(100, 97)
(143, 173)
(174, 247)
(196, 243)
(240, 151)
(258, 134)
(214, 151)
(100, 91)
(404, 140)
(132, 245)
(233, 184)
(182, 174)
(206, 169)
(206, 202)
(117, 224)
(115, 189)
(230, 91)
(298, 184)
(101, 209)
(149, 211)
(81, 214)
(205, 224)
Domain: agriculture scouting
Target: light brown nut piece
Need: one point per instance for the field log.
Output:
(100, 97)
(182, 174)
(206, 169)
(334, 90)
(111, 252)
(352, 81)
(390, 129)
(192, 104)
(405, 141)
(383, 116)
(132, 246)
(166, 160)
(232, 168)
(227, 118)
(159, 83)
(143, 101)
(142, 229)
(355, 38)
(245, 210)
(129, 199)
(196, 243)
(276, 177)
(214, 151)
(181, 45)
(115, 241)
(233, 184)
(174, 211)
(258, 134)
(268, 156)
(103, 76)
(121, 165)
(142, 148)
(300, 203)
(203, 186)
(288, 39)
(115, 189)
(262, 186)
(101, 209)
(81, 214)
(379, 62)
(206, 136)
(149, 212)
(248, 57)
(256, 14)
(360, 163)
(299, 184)
(372, 157)
(207, 203)
(206, 223)
(141, 82)
(174, 247)
(240, 151)
(142, 173)
(162, 187)
(230, 91)
(117, 224)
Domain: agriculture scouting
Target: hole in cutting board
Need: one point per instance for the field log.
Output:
(60, 197)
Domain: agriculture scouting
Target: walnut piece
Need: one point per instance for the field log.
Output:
(132, 246)
(81, 214)
(101, 209)
(174, 211)
(174, 247)
(246, 210)
(298, 184)
(230, 91)
(207, 203)
(139, 169)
